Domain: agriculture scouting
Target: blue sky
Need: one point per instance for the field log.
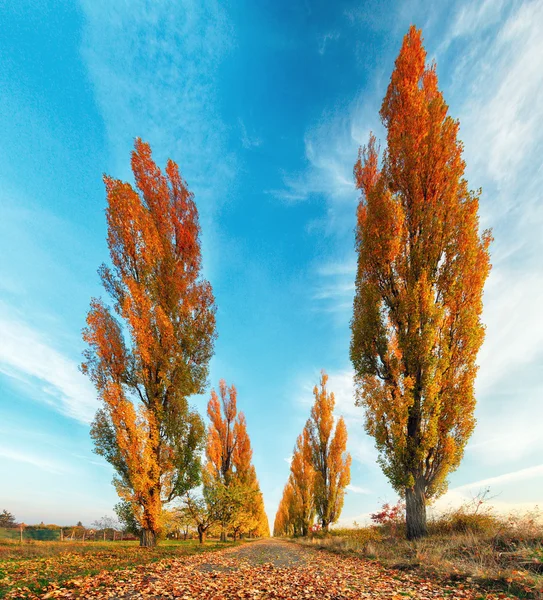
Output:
(263, 105)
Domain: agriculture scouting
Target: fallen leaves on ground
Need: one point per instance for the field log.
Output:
(290, 572)
(28, 570)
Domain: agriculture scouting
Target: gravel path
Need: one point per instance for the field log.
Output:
(264, 569)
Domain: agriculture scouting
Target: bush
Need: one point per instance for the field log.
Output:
(463, 521)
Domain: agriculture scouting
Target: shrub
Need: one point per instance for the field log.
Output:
(391, 518)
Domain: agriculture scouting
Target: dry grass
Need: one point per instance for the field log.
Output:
(497, 552)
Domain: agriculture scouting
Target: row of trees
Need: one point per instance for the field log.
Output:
(231, 492)
(148, 352)
(320, 470)
(416, 325)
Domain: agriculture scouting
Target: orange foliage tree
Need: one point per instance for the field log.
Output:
(229, 466)
(422, 265)
(327, 453)
(151, 351)
(285, 518)
(302, 478)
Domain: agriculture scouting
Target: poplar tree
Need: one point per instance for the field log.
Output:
(328, 454)
(422, 265)
(150, 350)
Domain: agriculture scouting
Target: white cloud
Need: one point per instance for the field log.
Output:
(356, 489)
(248, 141)
(154, 67)
(514, 333)
(27, 356)
(331, 148)
(474, 17)
(329, 36)
(508, 483)
(40, 462)
(502, 112)
(504, 479)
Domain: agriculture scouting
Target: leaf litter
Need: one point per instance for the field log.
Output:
(260, 570)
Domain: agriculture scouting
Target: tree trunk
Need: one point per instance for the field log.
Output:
(201, 534)
(148, 538)
(223, 536)
(415, 511)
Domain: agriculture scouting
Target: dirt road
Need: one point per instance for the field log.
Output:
(264, 569)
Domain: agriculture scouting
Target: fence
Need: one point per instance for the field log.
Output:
(64, 534)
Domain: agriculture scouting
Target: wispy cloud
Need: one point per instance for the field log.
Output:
(473, 17)
(334, 288)
(328, 37)
(506, 478)
(248, 141)
(356, 489)
(26, 355)
(154, 68)
(331, 147)
(40, 462)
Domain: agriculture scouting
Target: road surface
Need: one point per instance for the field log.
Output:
(264, 569)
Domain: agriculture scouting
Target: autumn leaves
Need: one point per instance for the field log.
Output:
(149, 352)
(320, 470)
(229, 473)
(416, 326)
(422, 265)
(416, 331)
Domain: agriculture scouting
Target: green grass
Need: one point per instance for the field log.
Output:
(32, 567)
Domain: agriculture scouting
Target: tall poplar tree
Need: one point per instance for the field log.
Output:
(422, 265)
(230, 467)
(150, 351)
(302, 477)
(328, 455)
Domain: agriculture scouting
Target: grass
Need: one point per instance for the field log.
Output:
(499, 553)
(29, 569)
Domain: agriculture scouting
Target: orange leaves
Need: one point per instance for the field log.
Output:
(146, 429)
(229, 456)
(422, 265)
(328, 456)
(264, 569)
(320, 470)
(222, 436)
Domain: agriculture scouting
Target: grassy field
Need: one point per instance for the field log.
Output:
(28, 569)
(497, 552)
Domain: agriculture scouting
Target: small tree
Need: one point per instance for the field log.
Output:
(7, 519)
(105, 524)
(209, 509)
(127, 519)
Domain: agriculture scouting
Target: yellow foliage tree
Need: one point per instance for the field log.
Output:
(327, 446)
